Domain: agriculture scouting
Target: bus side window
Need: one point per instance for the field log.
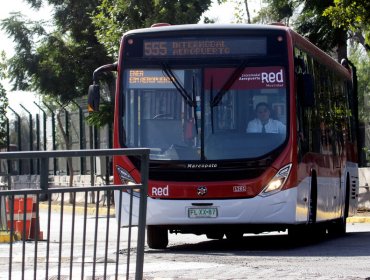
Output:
(305, 87)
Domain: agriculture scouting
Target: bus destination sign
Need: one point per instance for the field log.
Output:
(150, 78)
(204, 47)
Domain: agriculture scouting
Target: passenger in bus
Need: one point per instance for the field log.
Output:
(263, 123)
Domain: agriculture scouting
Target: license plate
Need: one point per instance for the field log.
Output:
(202, 212)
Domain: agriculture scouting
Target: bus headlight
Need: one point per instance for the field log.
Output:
(278, 181)
(126, 179)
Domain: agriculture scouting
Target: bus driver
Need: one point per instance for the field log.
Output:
(263, 123)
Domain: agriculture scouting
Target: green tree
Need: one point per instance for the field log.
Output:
(3, 103)
(276, 11)
(319, 30)
(353, 16)
(242, 8)
(56, 61)
(114, 17)
(362, 62)
(307, 18)
(59, 63)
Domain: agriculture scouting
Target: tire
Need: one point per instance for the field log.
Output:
(297, 232)
(234, 236)
(314, 231)
(307, 233)
(157, 237)
(313, 200)
(215, 235)
(339, 226)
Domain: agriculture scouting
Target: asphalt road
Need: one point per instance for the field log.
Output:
(190, 257)
(271, 256)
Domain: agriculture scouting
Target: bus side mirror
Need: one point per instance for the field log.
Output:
(306, 89)
(93, 99)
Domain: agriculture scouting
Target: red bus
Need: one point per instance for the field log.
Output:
(251, 128)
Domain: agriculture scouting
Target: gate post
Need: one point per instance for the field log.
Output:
(44, 177)
(53, 136)
(19, 139)
(3, 218)
(30, 127)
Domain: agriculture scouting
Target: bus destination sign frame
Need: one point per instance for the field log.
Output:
(204, 47)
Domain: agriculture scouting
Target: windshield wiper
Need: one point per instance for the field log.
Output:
(236, 74)
(167, 70)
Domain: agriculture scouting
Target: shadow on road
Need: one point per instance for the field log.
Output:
(351, 245)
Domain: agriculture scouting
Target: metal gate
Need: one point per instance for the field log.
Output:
(54, 235)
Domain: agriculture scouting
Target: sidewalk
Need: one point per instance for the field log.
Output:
(363, 216)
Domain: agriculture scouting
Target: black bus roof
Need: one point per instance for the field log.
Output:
(194, 27)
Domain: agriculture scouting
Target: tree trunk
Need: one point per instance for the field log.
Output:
(342, 44)
(247, 9)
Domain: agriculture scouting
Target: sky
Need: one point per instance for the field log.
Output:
(221, 13)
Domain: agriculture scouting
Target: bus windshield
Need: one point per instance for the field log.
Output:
(205, 113)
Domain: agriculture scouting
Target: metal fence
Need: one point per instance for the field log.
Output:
(52, 236)
(39, 128)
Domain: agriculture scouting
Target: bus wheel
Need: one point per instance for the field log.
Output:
(314, 230)
(157, 237)
(313, 200)
(215, 235)
(234, 235)
(339, 226)
(298, 234)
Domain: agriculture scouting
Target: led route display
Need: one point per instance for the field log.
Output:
(204, 47)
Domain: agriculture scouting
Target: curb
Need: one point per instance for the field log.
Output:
(90, 210)
(6, 238)
(358, 219)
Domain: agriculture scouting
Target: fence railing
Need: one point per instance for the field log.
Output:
(64, 239)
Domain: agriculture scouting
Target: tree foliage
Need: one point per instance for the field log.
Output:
(353, 16)
(326, 23)
(59, 62)
(114, 17)
(276, 11)
(241, 10)
(318, 28)
(3, 103)
(362, 63)
(307, 18)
